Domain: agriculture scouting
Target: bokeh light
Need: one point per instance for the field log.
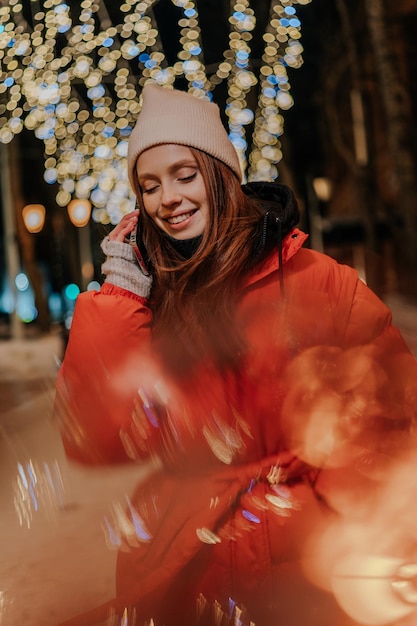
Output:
(34, 217)
(72, 291)
(85, 138)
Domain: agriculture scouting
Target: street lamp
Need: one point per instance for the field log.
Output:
(34, 217)
(79, 211)
(323, 188)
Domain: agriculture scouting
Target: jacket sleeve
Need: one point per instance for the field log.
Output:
(98, 384)
(351, 411)
(351, 392)
(364, 328)
(370, 326)
(372, 380)
(373, 537)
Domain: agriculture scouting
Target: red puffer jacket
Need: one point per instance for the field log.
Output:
(253, 461)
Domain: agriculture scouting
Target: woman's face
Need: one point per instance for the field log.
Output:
(173, 190)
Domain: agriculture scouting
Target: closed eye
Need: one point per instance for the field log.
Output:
(149, 190)
(187, 179)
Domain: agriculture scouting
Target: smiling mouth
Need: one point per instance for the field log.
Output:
(177, 219)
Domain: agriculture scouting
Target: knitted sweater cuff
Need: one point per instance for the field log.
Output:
(122, 270)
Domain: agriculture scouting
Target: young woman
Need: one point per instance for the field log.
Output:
(265, 381)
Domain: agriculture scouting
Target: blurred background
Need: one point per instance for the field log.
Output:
(318, 94)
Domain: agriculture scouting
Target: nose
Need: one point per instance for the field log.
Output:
(170, 196)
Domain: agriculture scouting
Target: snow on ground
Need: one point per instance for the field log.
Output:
(30, 358)
(54, 558)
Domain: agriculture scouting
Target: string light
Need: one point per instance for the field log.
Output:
(282, 49)
(189, 61)
(70, 81)
(240, 77)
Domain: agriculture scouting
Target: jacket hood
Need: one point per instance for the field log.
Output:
(280, 206)
(281, 215)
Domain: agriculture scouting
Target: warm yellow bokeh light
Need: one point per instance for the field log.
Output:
(34, 217)
(85, 141)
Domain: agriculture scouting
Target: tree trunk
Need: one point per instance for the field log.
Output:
(360, 165)
(399, 122)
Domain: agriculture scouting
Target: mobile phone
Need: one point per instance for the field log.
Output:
(140, 251)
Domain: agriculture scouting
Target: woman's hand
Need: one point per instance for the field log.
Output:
(126, 225)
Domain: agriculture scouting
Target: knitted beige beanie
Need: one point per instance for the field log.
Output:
(173, 116)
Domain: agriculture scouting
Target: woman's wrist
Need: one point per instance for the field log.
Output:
(121, 268)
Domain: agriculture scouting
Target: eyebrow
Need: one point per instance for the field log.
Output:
(172, 168)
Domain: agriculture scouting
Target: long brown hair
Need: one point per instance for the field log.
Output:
(194, 299)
